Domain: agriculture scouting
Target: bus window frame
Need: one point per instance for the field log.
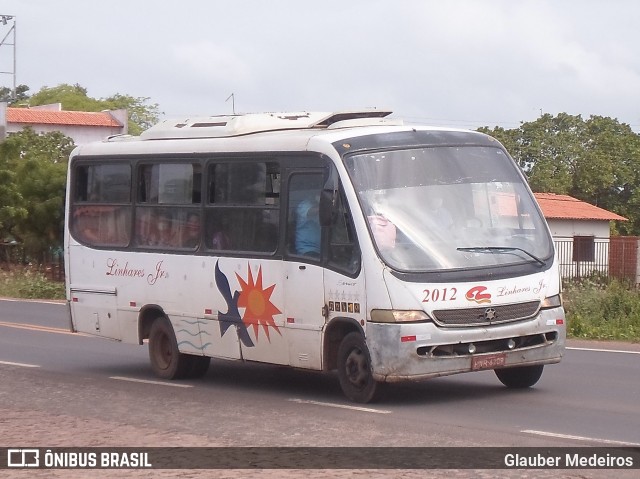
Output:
(209, 206)
(289, 162)
(75, 204)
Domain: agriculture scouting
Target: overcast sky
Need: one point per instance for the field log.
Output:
(465, 63)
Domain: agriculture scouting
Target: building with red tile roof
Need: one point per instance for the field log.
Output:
(81, 126)
(569, 217)
(581, 233)
(568, 208)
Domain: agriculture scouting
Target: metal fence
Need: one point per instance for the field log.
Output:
(588, 256)
(577, 260)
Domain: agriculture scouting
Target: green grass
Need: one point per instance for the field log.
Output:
(602, 311)
(28, 283)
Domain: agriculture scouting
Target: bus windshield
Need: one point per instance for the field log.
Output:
(444, 208)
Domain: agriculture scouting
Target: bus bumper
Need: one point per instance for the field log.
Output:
(411, 352)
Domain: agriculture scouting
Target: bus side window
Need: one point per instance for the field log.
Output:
(216, 231)
(189, 230)
(242, 209)
(304, 232)
(344, 253)
(101, 208)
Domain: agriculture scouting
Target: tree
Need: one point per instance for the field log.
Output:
(6, 95)
(74, 97)
(35, 207)
(11, 209)
(11, 201)
(610, 174)
(597, 161)
(141, 115)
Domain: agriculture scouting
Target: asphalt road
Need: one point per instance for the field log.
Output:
(50, 378)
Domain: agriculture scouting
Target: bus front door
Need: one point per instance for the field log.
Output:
(304, 303)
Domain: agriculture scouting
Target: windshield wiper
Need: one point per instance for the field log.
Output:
(501, 249)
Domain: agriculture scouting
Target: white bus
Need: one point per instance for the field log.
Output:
(325, 241)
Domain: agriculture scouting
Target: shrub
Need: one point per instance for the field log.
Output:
(28, 284)
(602, 311)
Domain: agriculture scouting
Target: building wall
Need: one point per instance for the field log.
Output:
(79, 134)
(624, 258)
(564, 231)
(562, 228)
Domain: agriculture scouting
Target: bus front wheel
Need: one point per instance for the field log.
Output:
(520, 377)
(167, 361)
(354, 369)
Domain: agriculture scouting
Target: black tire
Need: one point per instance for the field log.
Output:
(354, 369)
(520, 377)
(167, 361)
(199, 366)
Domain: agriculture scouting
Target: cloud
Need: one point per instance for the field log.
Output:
(210, 63)
(468, 61)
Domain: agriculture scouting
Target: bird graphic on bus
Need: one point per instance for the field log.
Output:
(256, 301)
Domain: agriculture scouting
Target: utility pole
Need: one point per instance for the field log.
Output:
(9, 40)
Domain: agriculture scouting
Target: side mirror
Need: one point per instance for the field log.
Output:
(328, 209)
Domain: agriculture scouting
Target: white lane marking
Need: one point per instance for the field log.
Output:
(341, 406)
(580, 438)
(147, 381)
(24, 365)
(61, 302)
(604, 350)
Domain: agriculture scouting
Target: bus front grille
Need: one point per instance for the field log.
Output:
(486, 315)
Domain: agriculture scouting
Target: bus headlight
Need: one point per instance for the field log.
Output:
(551, 302)
(395, 316)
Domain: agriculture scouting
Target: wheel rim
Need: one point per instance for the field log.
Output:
(357, 368)
(163, 351)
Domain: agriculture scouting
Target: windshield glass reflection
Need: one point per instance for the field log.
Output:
(444, 208)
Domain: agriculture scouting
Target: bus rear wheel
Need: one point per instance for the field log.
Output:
(354, 369)
(167, 362)
(520, 377)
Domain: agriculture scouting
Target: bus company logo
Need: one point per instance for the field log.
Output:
(256, 301)
(477, 294)
(23, 458)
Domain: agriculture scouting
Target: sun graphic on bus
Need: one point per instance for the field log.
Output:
(259, 310)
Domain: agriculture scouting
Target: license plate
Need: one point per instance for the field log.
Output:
(489, 361)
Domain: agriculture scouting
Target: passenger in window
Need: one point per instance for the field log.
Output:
(145, 232)
(217, 237)
(384, 231)
(308, 232)
(166, 234)
(87, 225)
(192, 231)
